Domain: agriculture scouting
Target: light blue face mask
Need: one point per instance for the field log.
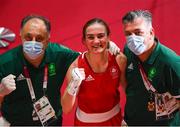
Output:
(136, 44)
(33, 49)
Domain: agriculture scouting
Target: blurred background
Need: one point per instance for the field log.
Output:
(67, 18)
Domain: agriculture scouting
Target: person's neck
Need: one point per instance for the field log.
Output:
(98, 62)
(35, 62)
(143, 57)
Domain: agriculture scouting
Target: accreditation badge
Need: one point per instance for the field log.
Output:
(166, 106)
(45, 111)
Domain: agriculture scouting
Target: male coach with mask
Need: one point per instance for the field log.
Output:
(153, 74)
(31, 76)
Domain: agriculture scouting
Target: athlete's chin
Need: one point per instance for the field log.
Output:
(99, 51)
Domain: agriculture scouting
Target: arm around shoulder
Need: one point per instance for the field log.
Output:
(122, 62)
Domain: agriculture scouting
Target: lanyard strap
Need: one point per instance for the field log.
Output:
(29, 82)
(45, 79)
(147, 84)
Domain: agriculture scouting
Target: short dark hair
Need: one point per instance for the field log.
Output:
(132, 15)
(32, 16)
(93, 21)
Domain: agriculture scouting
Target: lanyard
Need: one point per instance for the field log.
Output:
(29, 82)
(147, 84)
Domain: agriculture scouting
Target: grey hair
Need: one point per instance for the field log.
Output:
(132, 15)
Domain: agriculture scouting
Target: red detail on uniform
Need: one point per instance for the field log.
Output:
(99, 92)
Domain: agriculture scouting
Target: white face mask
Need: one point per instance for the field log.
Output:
(33, 49)
(136, 44)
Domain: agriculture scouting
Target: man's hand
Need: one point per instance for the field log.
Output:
(113, 48)
(78, 75)
(123, 123)
(7, 85)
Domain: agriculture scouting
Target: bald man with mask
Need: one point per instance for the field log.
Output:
(31, 76)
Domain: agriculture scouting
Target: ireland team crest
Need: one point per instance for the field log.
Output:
(52, 69)
(152, 72)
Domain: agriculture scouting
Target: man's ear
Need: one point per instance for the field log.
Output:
(152, 34)
(20, 34)
(47, 41)
(49, 37)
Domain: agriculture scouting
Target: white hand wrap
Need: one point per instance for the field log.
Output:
(78, 75)
(7, 85)
(113, 48)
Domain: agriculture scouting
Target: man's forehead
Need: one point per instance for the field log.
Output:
(137, 23)
(35, 23)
